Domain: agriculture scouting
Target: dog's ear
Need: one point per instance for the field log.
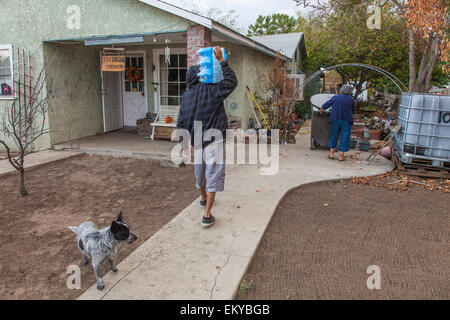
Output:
(74, 229)
(115, 227)
(119, 217)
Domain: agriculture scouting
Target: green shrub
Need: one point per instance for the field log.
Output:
(303, 107)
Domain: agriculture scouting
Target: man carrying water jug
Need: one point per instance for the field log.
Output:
(202, 113)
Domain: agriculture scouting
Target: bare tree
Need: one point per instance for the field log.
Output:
(24, 121)
(283, 94)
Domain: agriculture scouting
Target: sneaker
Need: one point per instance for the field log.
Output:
(208, 222)
(203, 204)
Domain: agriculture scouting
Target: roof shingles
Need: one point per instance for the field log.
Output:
(286, 43)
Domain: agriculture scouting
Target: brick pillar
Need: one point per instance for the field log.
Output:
(197, 37)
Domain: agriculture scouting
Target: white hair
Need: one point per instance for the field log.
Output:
(347, 89)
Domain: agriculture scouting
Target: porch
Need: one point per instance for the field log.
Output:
(121, 143)
(90, 100)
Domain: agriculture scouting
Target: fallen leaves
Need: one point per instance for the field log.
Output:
(399, 182)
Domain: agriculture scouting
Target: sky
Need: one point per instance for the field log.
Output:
(246, 10)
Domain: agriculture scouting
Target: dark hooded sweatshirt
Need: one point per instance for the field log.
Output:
(204, 102)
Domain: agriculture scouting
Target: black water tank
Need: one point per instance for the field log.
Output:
(320, 125)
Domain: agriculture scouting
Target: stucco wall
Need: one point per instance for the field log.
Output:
(250, 66)
(76, 101)
(235, 59)
(255, 69)
(30, 22)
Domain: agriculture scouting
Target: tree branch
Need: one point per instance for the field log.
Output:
(8, 153)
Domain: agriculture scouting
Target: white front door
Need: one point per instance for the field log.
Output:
(171, 77)
(112, 100)
(134, 89)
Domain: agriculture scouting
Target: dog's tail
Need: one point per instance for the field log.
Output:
(74, 229)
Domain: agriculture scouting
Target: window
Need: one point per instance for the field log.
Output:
(173, 79)
(138, 64)
(6, 72)
(298, 80)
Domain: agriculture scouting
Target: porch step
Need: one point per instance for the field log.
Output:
(116, 153)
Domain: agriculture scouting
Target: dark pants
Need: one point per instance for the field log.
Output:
(340, 129)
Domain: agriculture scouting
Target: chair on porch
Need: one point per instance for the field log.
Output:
(166, 113)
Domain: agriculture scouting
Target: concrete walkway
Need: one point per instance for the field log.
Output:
(36, 160)
(184, 261)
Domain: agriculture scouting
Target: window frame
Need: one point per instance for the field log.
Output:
(128, 59)
(11, 62)
(156, 72)
(178, 83)
(298, 81)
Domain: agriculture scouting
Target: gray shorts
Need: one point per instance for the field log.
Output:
(212, 167)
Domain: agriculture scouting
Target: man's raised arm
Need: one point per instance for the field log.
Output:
(229, 82)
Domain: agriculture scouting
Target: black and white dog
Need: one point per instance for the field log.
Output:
(100, 245)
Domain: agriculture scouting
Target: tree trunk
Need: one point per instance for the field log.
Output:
(431, 64)
(22, 189)
(427, 86)
(362, 79)
(345, 78)
(412, 61)
(423, 64)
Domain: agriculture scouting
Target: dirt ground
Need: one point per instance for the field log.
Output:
(324, 236)
(36, 245)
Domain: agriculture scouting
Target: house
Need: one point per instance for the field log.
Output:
(291, 45)
(159, 40)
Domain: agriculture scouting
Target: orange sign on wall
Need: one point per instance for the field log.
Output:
(113, 63)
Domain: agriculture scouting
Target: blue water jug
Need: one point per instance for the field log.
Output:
(210, 68)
